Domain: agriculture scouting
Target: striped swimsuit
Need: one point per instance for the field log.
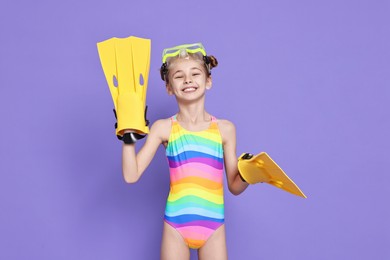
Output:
(195, 205)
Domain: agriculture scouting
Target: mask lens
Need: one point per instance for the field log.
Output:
(183, 50)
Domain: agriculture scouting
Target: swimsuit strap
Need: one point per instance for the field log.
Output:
(174, 118)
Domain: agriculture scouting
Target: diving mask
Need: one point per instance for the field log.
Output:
(183, 51)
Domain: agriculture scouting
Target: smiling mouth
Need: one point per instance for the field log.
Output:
(189, 89)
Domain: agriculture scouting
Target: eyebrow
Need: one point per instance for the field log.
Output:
(196, 68)
(190, 69)
(176, 72)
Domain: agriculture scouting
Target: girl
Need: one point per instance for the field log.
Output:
(197, 144)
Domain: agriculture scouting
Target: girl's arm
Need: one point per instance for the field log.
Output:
(228, 132)
(133, 164)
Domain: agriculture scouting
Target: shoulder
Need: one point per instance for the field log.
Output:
(161, 129)
(225, 125)
(161, 123)
(227, 129)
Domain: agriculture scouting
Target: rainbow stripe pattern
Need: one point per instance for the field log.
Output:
(195, 206)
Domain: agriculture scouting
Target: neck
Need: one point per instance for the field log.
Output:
(192, 113)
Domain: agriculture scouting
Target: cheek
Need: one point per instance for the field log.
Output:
(172, 88)
(173, 85)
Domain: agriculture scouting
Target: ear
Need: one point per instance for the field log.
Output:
(169, 89)
(209, 82)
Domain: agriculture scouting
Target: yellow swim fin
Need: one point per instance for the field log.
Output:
(126, 63)
(261, 168)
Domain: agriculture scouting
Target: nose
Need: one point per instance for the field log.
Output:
(188, 79)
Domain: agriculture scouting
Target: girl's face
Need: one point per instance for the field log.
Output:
(188, 79)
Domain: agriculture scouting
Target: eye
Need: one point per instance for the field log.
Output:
(195, 74)
(178, 77)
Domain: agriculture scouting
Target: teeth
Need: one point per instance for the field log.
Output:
(189, 89)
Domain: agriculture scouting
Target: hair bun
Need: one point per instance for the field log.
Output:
(213, 61)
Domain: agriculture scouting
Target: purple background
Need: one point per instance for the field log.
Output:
(306, 81)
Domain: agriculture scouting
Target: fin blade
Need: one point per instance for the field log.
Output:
(106, 50)
(278, 177)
